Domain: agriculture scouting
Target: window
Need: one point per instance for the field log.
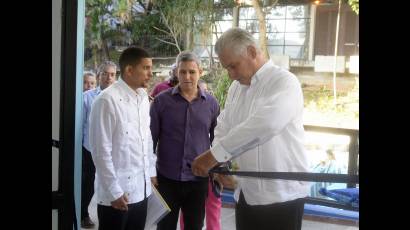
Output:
(287, 28)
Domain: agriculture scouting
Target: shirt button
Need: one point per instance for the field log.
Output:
(126, 132)
(129, 177)
(226, 158)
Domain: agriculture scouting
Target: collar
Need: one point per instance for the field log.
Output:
(98, 90)
(261, 72)
(139, 92)
(176, 90)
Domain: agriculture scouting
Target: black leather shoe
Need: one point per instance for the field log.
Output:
(87, 223)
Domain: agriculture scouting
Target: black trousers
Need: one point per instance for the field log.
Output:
(281, 216)
(189, 196)
(87, 182)
(110, 218)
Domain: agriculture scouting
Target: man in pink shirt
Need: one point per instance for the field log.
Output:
(171, 82)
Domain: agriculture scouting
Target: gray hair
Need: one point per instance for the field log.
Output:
(188, 56)
(104, 65)
(235, 39)
(88, 73)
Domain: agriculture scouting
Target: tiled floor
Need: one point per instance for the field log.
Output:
(228, 221)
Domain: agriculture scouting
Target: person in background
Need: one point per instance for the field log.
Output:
(261, 127)
(182, 123)
(203, 85)
(89, 81)
(106, 77)
(121, 145)
(327, 165)
(169, 83)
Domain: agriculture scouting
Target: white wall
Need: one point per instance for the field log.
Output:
(326, 63)
(354, 64)
(281, 60)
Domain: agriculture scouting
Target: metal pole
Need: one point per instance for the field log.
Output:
(335, 59)
(235, 16)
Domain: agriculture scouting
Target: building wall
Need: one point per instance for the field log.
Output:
(325, 30)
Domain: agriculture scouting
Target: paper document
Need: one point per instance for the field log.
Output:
(157, 208)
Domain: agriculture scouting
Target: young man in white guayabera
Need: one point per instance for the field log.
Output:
(261, 127)
(106, 76)
(121, 145)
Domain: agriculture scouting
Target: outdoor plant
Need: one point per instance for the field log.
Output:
(222, 85)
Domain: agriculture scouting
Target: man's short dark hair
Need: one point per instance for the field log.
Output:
(132, 56)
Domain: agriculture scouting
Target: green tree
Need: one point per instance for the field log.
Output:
(222, 86)
(183, 18)
(354, 4)
(262, 27)
(99, 32)
(261, 7)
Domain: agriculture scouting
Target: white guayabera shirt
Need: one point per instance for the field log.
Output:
(262, 128)
(121, 144)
